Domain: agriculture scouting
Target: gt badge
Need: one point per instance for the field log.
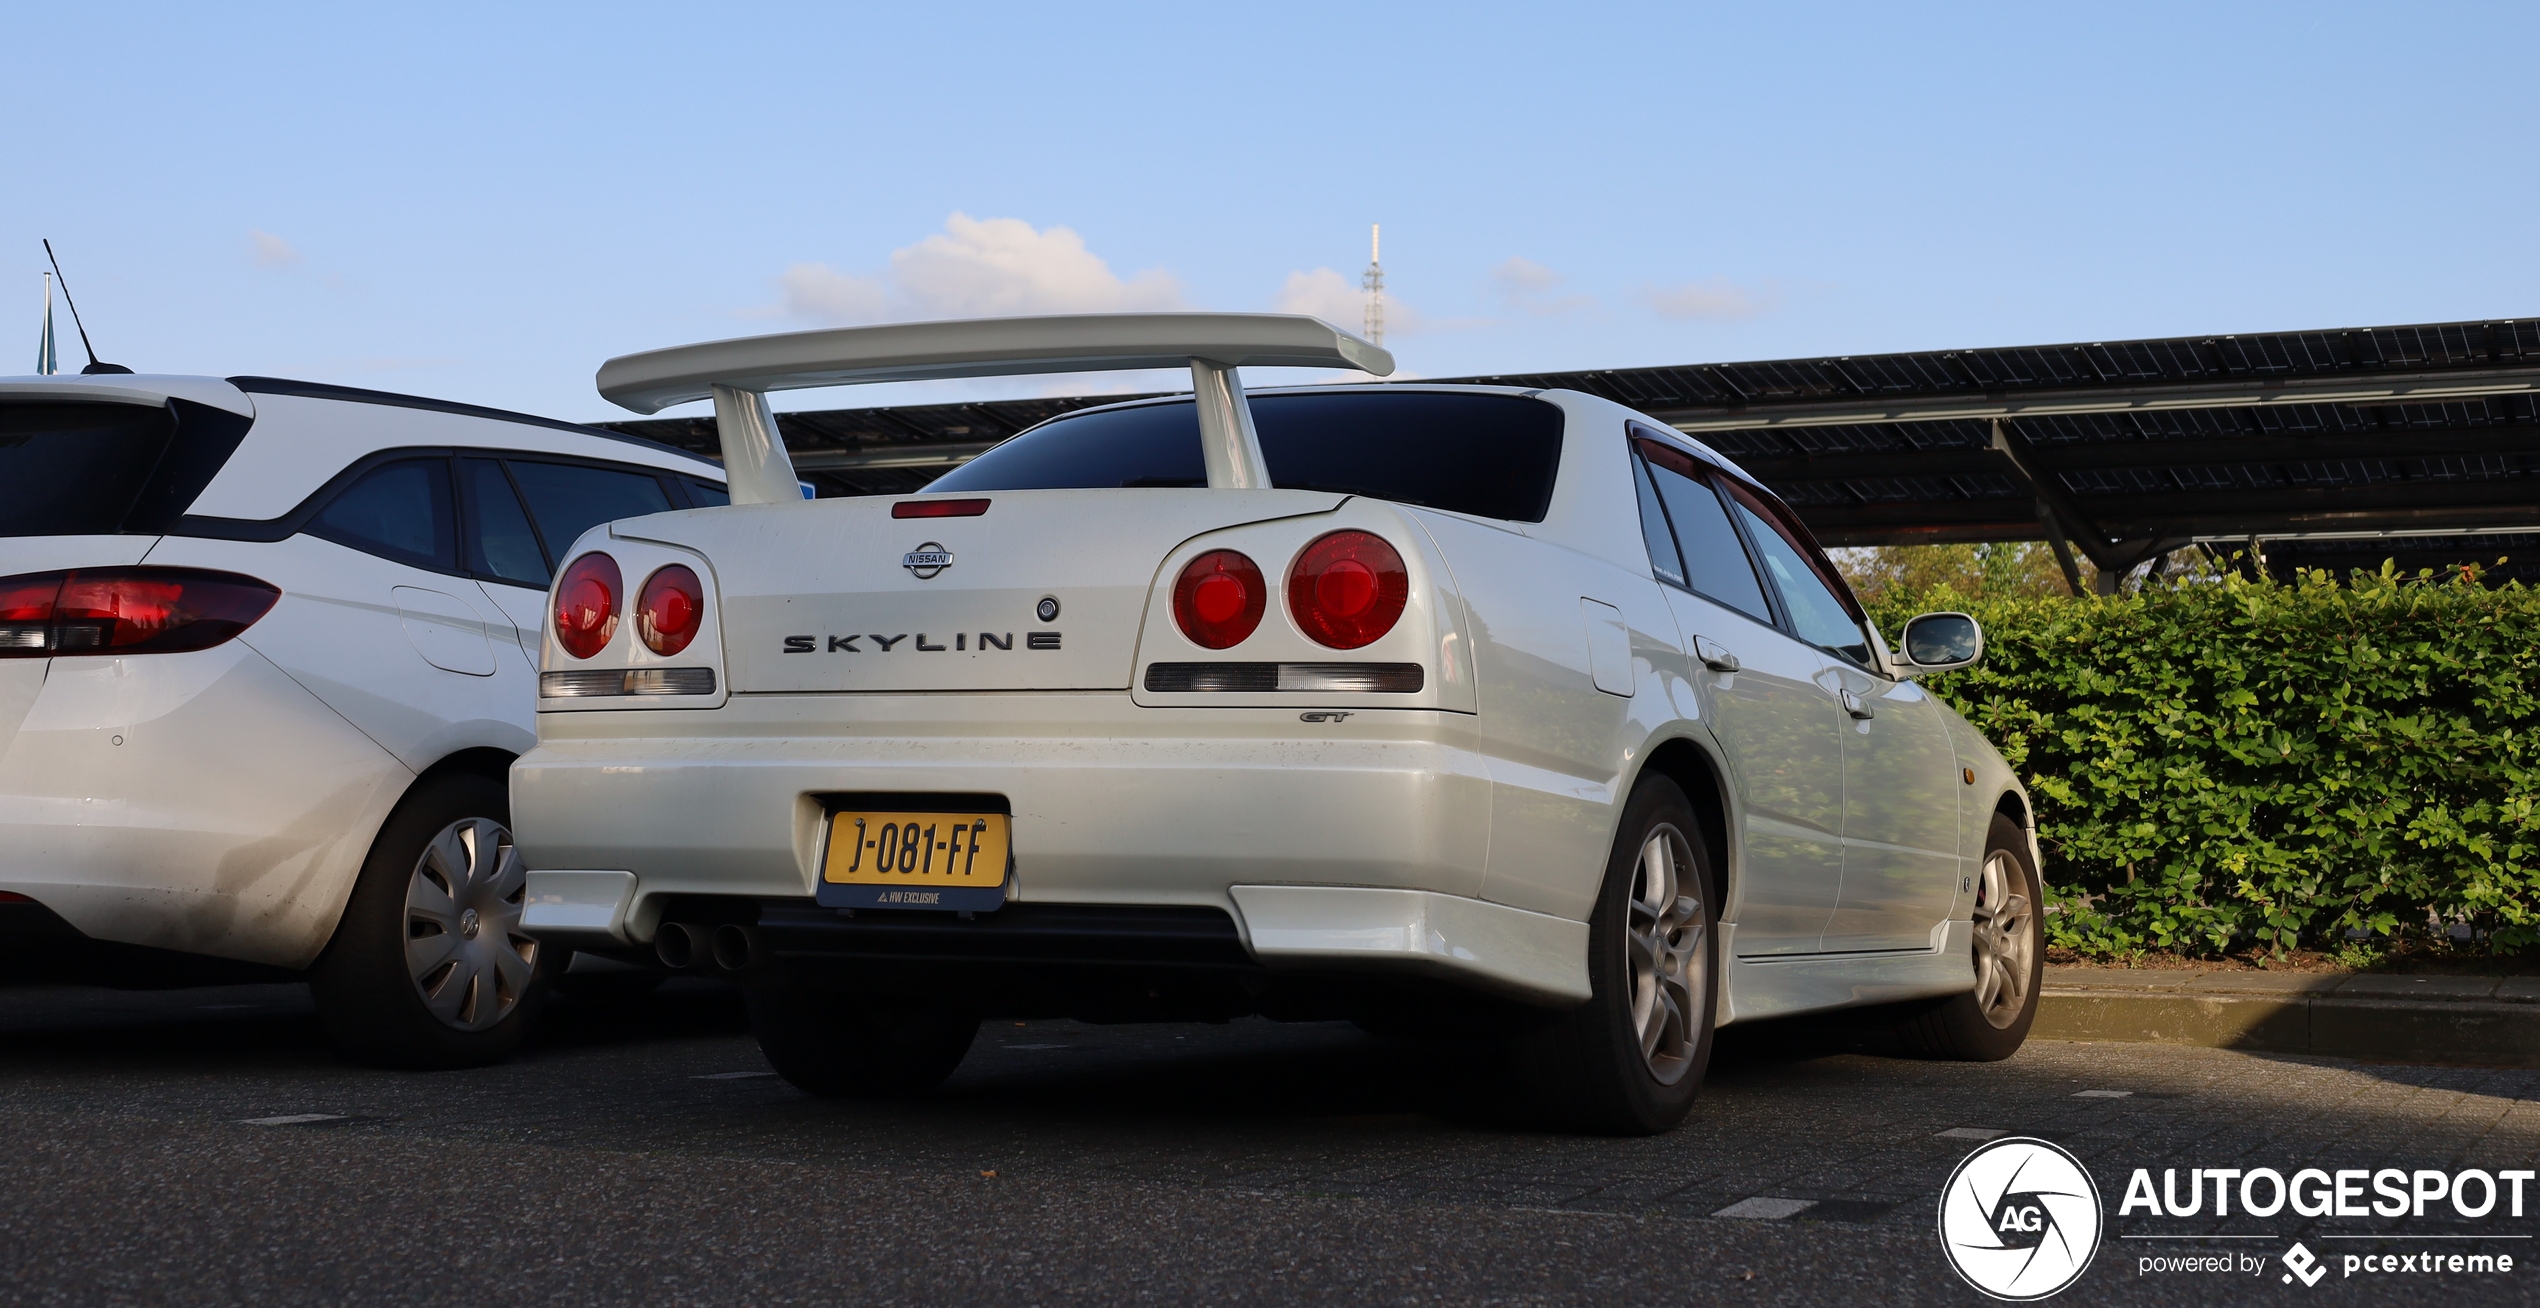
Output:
(926, 560)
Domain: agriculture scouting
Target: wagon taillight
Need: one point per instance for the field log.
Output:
(137, 610)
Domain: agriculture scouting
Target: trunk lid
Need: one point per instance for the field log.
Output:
(838, 595)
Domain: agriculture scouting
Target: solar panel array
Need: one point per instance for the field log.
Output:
(2250, 461)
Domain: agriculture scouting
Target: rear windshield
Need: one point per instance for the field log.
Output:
(1493, 456)
(98, 469)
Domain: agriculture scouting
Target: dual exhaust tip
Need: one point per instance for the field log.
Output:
(705, 947)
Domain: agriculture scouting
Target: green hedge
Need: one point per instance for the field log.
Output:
(2224, 764)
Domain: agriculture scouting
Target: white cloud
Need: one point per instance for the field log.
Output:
(1337, 299)
(1717, 298)
(269, 250)
(1517, 275)
(1002, 266)
(1528, 287)
(823, 294)
(978, 268)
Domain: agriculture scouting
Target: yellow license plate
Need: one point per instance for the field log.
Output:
(952, 850)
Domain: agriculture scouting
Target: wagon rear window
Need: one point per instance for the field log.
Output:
(79, 469)
(1493, 456)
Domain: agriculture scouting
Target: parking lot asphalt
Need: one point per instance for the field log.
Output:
(204, 1147)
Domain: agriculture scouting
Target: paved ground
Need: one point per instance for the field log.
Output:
(641, 1154)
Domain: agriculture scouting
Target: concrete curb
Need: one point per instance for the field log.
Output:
(2476, 1021)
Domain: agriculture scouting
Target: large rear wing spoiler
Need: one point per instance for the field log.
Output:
(738, 374)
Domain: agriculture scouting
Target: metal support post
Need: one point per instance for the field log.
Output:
(2063, 548)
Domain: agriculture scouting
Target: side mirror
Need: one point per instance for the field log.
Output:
(1941, 642)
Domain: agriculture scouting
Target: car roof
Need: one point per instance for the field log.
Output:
(357, 395)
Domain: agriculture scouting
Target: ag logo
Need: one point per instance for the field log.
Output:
(2020, 1219)
(926, 560)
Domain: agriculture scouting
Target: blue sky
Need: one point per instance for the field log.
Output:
(483, 203)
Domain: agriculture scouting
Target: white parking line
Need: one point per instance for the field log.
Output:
(729, 1076)
(2102, 1094)
(1764, 1208)
(1971, 1133)
(291, 1119)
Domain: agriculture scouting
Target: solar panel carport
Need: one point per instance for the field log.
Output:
(2329, 449)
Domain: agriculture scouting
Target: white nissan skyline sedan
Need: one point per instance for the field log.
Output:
(266, 651)
(1433, 707)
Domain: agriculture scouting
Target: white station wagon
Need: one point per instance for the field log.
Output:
(266, 651)
(1423, 706)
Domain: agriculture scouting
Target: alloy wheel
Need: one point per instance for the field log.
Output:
(464, 947)
(2006, 940)
(1668, 944)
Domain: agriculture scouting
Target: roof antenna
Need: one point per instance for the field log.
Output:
(94, 367)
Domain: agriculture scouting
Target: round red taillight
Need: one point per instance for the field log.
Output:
(668, 615)
(1347, 589)
(586, 605)
(1219, 598)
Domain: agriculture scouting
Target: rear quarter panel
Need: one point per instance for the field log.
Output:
(1560, 749)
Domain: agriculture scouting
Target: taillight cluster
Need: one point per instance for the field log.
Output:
(1345, 590)
(138, 610)
(667, 614)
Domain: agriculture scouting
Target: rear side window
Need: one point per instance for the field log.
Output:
(398, 511)
(568, 499)
(1663, 558)
(1492, 456)
(501, 544)
(97, 469)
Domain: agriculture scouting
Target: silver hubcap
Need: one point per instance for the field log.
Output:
(464, 948)
(2006, 940)
(1669, 944)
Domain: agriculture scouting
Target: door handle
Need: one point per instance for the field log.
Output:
(1858, 707)
(1714, 657)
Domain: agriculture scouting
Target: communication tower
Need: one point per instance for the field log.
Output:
(1373, 282)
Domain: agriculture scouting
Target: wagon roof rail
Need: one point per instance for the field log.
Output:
(738, 374)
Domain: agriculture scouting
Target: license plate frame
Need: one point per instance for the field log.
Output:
(855, 874)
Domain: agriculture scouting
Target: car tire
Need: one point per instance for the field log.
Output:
(830, 1043)
(1630, 1060)
(1990, 1022)
(428, 967)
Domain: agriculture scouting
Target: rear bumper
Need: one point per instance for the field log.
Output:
(1353, 846)
(201, 802)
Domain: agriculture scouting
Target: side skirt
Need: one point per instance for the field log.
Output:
(1788, 986)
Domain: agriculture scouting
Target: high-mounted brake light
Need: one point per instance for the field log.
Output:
(586, 604)
(1219, 598)
(1347, 589)
(126, 610)
(672, 608)
(939, 508)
